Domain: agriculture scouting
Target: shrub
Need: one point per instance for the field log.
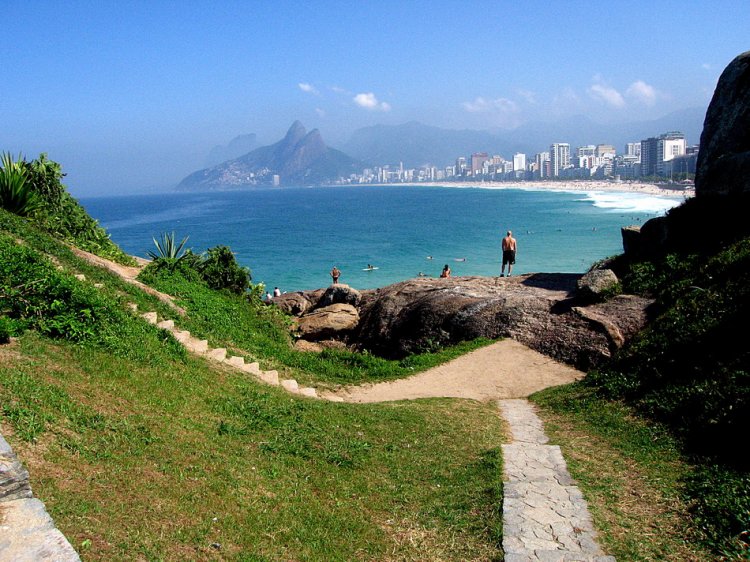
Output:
(16, 193)
(220, 270)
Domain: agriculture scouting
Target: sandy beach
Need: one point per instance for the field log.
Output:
(673, 190)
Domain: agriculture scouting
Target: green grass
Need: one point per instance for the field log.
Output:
(142, 451)
(262, 333)
(160, 461)
(633, 475)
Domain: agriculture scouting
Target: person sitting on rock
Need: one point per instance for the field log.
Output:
(446, 272)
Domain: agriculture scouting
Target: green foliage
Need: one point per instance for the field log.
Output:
(16, 193)
(36, 295)
(217, 268)
(35, 189)
(45, 178)
(220, 270)
(167, 247)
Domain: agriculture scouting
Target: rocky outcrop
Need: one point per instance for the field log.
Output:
(597, 283)
(333, 320)
(340, 293)
(543, 311)
(724, 158)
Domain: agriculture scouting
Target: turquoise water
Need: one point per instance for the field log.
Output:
(291, 237)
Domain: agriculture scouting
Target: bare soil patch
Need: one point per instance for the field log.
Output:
(506, 369)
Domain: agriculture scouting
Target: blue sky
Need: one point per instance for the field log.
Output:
(132, 95)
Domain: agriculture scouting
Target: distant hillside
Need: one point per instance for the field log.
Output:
(238, 146)
(300, 158)
(416, 144)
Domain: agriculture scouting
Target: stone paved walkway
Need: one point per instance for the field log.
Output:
(545, 517)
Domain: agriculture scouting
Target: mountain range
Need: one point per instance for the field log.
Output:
(416, 144)
(300, 158)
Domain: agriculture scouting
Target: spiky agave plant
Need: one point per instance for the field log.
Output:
(168, 248)
(16, 195)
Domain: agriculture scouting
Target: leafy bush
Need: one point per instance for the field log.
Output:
(35, 189)
(16, 193)
(220, 270)
(217, 268)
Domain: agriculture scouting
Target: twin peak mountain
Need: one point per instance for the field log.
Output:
(300, 158)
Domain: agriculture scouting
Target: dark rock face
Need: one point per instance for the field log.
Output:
(293, 303)
(724, 159)
(340, 294)
(539, 310)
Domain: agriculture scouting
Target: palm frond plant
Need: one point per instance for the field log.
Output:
(168, 248)
(16, 195)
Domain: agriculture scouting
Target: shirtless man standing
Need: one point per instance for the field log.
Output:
(509, 253)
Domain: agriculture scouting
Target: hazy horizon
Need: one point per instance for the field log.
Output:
(128, 97)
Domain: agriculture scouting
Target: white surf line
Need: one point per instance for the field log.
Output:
(545, 517)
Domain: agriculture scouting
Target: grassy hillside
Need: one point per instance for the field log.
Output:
(141, 451)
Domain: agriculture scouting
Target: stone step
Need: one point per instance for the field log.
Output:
(290, 385)
(271, 377)
(150, 317)
(217, 354)
(252, 368)
(195, 345)
(235, 361)
(308, 391)
(166, 325)
(98, 285)
(181, 336)
(133, 306)
(80, 276)
(29, 534)
(14, 479)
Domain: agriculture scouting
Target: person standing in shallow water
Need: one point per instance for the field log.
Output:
(509, 246)
(335, 274)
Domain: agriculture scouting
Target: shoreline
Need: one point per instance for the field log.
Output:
(568, 186)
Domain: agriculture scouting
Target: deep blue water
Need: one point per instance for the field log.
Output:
(291, 237)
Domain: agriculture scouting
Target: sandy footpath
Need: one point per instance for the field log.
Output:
(506, 369)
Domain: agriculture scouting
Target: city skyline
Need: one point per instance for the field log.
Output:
(127, 97)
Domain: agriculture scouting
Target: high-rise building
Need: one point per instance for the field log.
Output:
(542, 164)
(477, 162)
(519, 161)
(461, 166)
(648, 156)
(604, 150)
(633, 149)
(670, 145)
(559, 157)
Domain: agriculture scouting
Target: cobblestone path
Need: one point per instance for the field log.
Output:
(545, 517)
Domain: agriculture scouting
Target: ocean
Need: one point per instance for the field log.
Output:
(291, 238)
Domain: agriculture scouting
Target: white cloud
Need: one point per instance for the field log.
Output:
(706, 66)
(484, 105)
(606, 94)
(309, 88)
(370, 102)
(340, 90)
(642, 93)
(320, 112)
(528, 96)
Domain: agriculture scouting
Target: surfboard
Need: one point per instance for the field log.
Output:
(370, 268)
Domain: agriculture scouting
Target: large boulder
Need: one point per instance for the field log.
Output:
(293, 303)
(330, 321)
(539, 310)
(340, 293)
(724, 158)
(597, 283)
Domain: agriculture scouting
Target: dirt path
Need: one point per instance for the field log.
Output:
(506, 369)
